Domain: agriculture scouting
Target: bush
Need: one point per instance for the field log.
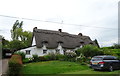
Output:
(27, 60)
(15, 65)
(108, 52)
(70, 56)
(47, 57)
(78, 52)
(60, 57)
(22, 54)
(116, 46)
(90, 51)
(50, 56)
(54, 56)
(36, 58)
(42, 58)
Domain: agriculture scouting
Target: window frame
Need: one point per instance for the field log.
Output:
(57, 51)
(44, 51)
(27, 52)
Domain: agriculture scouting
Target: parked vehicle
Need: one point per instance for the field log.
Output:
(105, 62)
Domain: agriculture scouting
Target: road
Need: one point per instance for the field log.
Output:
(3, 66)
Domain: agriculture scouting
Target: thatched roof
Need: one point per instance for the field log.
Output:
(52, 38)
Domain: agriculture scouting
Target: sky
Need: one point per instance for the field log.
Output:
(95, 18)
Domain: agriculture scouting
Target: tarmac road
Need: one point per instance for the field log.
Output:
(3, 66)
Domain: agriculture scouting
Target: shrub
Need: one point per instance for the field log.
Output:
(90, 51)
(42, 58)
(108, 51)
(54, 56)
(116, 46)
(15, 64)
(47, 57)
(50, 56)
(22, 54)
(36, 58)
(78, 52)
(70, 56)
(60, 57)
(26, 60)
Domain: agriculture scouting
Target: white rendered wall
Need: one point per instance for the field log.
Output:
(39, 51)
(33, 41)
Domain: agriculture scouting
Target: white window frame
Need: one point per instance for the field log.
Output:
(27, 52)
(44, 51)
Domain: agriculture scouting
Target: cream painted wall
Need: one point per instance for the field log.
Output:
(39, 51)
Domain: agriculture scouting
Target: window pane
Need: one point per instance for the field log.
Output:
(44, 51)
(27, 51)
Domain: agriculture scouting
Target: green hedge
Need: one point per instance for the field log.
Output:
(89, 51)
(15, 65)
(22, 54)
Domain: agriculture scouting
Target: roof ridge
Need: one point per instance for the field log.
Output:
(56, 32)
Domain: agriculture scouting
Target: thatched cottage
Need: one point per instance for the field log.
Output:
(46, 41)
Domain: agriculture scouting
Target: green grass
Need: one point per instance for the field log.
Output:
(52, 67)
(60, 67)
(91, 71)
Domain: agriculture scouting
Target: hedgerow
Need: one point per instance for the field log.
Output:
(15, 65)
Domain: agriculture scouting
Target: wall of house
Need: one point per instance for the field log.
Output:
(33, 41)
(39, 51)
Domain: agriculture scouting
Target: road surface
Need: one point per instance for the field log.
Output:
(3, 66)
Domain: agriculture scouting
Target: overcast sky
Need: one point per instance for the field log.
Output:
(95, 18)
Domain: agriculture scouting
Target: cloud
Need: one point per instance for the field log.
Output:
(94, 13)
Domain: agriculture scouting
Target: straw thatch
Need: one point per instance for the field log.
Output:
(52, 38)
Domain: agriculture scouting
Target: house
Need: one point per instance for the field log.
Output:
(46, 41)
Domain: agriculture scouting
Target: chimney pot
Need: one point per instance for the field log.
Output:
(80, 34)
(60, 30)
(35, 27)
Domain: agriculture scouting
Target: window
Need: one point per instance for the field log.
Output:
(109, 58)
(28, 52)
(96, 58)
(44, 51)
(58, 51)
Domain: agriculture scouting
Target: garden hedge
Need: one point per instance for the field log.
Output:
(15, 65)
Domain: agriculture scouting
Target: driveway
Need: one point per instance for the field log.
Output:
(3, 66)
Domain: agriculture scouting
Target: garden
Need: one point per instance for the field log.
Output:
(70, 63)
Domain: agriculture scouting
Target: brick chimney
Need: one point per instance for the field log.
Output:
(80, 34)
(34, 29)
(60, 30)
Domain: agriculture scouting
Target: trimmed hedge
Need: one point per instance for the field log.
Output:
(22, 54)
(15, 65)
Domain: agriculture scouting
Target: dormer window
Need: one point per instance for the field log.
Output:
(60, 42)
(91, 43)
(44, 42)
(44, 51)
(82, 42)
(28, 52)
(58, 51)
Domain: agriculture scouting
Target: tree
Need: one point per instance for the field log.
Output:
(5, 43)
(17, 27)
(116, 46)
(26, 37)
(16, 45)
(17, 33)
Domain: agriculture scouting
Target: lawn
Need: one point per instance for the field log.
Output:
(52, 67)
(91, 71)
(60, 67)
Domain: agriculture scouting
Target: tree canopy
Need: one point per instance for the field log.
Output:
(20, 38)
